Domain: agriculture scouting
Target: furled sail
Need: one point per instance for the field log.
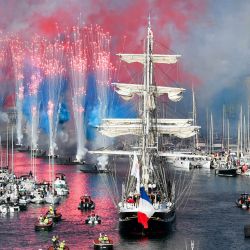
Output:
(114, 152)
(119, 127)
(141, 58)
(127, 91)
(161, 121)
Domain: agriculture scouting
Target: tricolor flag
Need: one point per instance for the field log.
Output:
(145, 209)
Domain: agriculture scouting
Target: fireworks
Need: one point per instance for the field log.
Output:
(18, 54)
(41, 68)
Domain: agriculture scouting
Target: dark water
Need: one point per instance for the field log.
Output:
(207, 216)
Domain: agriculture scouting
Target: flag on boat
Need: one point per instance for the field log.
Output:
(145, 209)
(135, 171)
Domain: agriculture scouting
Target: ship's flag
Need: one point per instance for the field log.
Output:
(135, 171)
(145, 209)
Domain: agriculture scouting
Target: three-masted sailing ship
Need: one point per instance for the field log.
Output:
(147, 171)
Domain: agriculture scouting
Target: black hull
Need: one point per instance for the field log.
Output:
(103, 246)
(23, 207)
(92, 168)
(86, 206)
(67, 161)
(52, 248)
(231, 172)
(158, 225)
(39, 227)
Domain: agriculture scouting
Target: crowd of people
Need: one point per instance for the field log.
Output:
(155, 198)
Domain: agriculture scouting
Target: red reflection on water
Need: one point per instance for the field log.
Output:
(72, 229)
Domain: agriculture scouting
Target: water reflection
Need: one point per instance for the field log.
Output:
(208, 209)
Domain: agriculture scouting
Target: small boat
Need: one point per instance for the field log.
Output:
(62, 160)
(92, 168)
(229, 172)
(226, 169)
(60, 185)
(53, 248)
(57, 244)
(44, 226)
(86, 203)
(3, 209)
(23, 203)
(93, 220)
(23, 148)
(52, 199)
(103, 245)
(56, 216)
(244, 201)
(13, 207)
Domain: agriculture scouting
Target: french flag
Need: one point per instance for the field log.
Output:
(145, 209)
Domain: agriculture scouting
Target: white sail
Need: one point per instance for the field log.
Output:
(137, 129)
(163, 121)
(113, 152)
(127, 91)
(135, 171)
(141, 58)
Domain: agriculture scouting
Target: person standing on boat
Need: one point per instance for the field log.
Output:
(101, 238)
(158, 197)
(62, 245)
(55, 241)
(136, 200)
(40, 219)
(46, 220)
(51, 211)
(106, 239)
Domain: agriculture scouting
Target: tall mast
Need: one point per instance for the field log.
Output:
(7, 146)
(223, 128)
(228, 138)
(148, 72)
(196, 141)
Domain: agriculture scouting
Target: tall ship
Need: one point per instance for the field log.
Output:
(147, 204)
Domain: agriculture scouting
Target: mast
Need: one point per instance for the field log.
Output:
(148, 68)
(211, 133)
(1, 151)
(223, 128)
(196, 141)
(7, 146)
(241, 130)
(228, 138)
(12, 151)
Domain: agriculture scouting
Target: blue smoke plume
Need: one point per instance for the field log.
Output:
(117, 108)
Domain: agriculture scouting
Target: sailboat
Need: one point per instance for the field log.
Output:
(147, 179)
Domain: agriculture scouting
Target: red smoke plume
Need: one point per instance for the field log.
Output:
(126, 20)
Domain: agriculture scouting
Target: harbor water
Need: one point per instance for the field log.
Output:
(207, 217)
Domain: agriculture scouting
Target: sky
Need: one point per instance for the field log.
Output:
(213, 38)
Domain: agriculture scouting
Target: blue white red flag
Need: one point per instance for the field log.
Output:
(145, 209)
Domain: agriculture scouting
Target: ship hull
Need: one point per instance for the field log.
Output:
(231, 172)
(158, 225)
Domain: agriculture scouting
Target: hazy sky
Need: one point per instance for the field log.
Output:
(213, 36)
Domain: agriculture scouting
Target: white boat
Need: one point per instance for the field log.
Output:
(37, 197)
(60, 185)
(52, 199)
(182, 163)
